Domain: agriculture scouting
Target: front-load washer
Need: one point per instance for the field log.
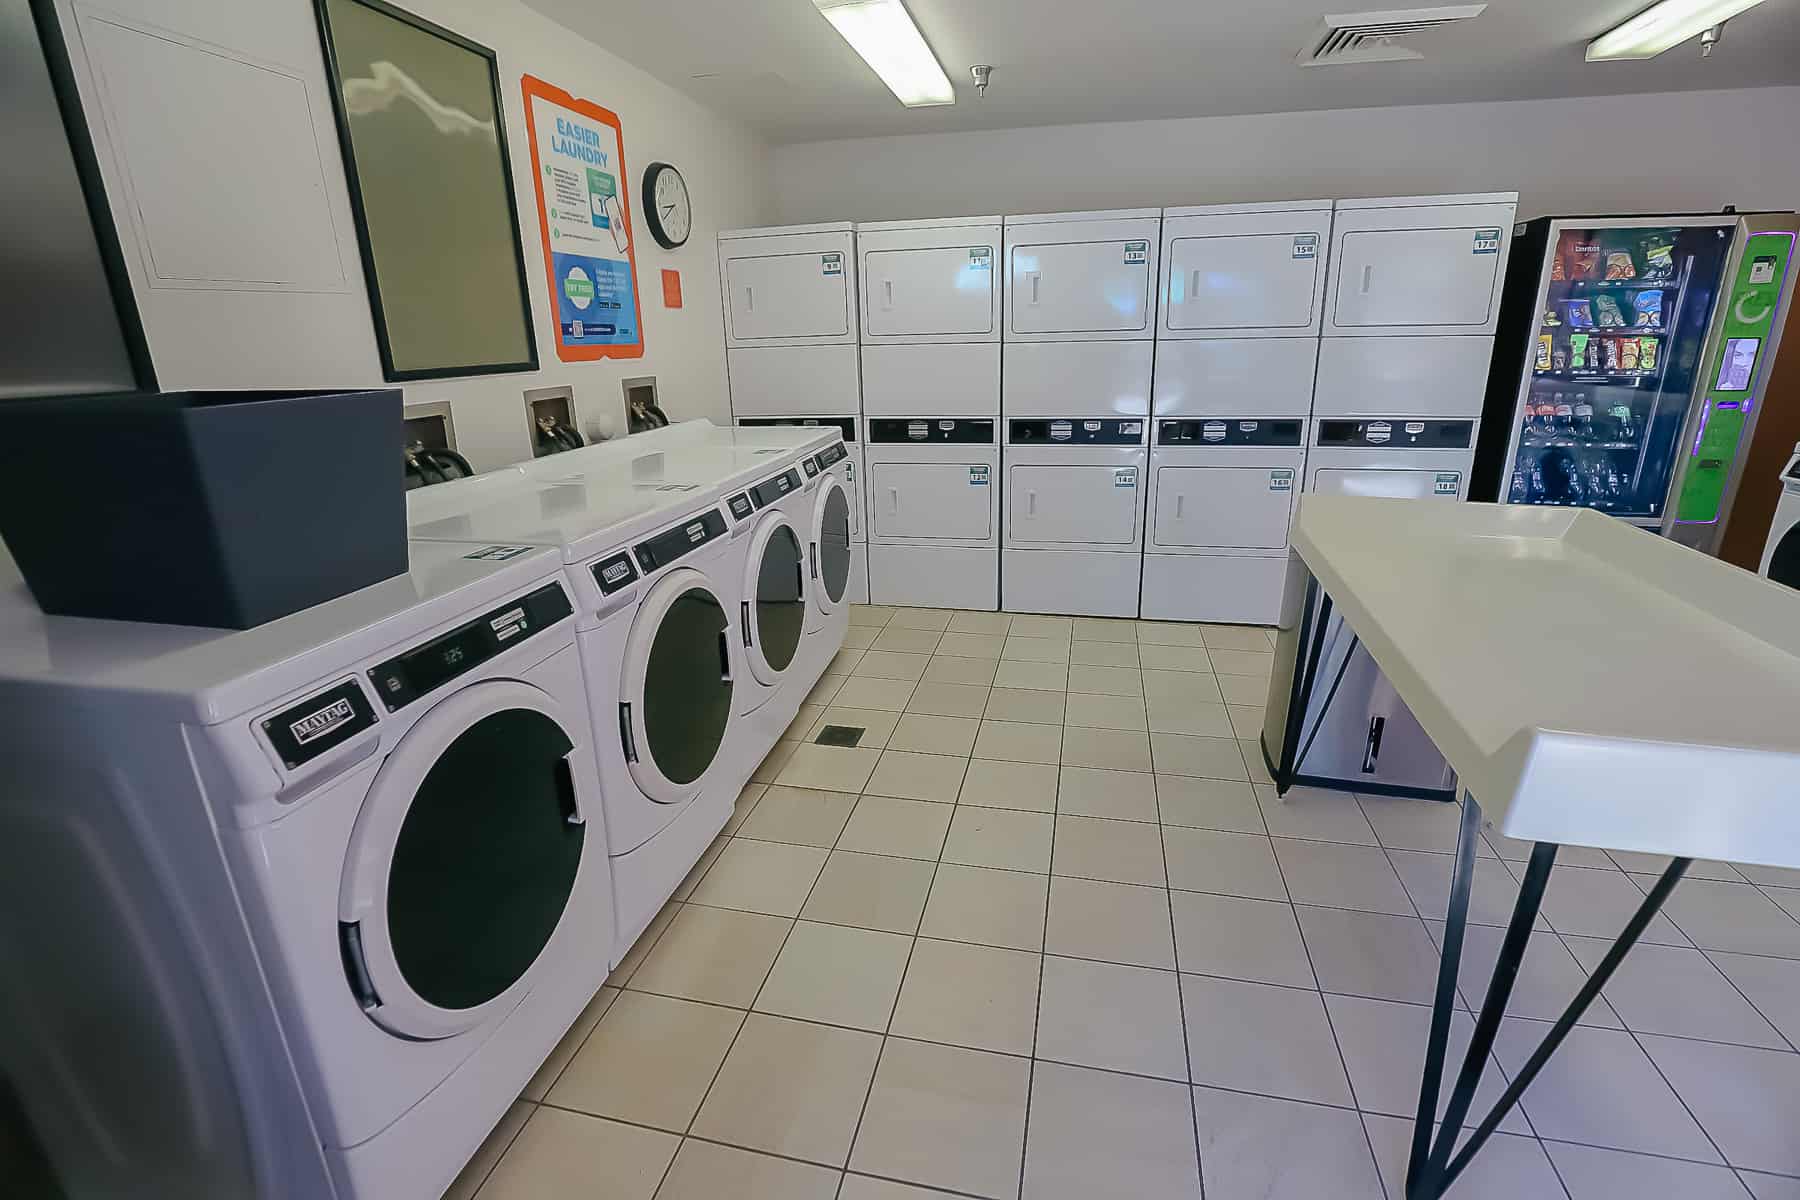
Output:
(1781, 553)
(1075, 404)
(656, 576)
(328, 890)
(1239, 310)
(831, 529)
(852, 470)
(934, 528)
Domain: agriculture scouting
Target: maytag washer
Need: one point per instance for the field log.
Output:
(331, 888)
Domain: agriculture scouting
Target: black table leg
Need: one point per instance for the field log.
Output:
(1431, 1169)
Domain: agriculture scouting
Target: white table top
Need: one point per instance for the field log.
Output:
(1592, 684)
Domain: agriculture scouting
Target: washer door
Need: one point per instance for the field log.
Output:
(774, 605)
(462, 861)
(1784, 559)
(675, 696)
(831, 545)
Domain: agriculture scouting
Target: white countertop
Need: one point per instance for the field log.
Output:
(1591, 684)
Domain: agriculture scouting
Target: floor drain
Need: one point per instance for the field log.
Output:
(840, 735)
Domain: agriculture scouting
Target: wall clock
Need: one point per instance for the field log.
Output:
(666, 205)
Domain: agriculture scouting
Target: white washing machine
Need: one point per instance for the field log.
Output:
(931, 398)
(831, 532)
(851, 470)
(1781, 554)
(656, 577)
(1239, 311)
(328, 889)
(1075, 401)
(791, 341)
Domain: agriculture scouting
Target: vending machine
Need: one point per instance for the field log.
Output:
(1630, 364)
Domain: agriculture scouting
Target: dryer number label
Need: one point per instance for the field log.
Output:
(314, 726)
(831, 264)
(508, 624)
(1125, 477)
(1445, 483)
(1306, 245)
(1137, 254)
(1487, 241)
(1281, 481)
(981, 258)
(978, 476)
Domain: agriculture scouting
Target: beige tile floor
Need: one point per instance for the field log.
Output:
(1041, 934)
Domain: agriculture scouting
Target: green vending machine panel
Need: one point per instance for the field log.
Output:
(1750, 311)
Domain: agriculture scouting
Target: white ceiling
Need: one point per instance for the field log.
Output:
(779, 66)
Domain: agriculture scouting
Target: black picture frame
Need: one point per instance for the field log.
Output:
(353, 179)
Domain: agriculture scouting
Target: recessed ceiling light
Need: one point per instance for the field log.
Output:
(884, 34)
(1663, 26)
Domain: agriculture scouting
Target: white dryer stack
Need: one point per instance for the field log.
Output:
(1239, 312)
(1411, 307)
(1075, 398)
(931, 400)
(790, 344)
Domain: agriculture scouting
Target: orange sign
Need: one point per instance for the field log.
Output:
(584, 221)
(671, 288)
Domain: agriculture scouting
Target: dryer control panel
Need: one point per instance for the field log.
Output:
(775, 487)
(1221, 431)
(1398, 433)
(924, 430)
(672, 544)
(834, 453)
(402, 679)
(1076, 431)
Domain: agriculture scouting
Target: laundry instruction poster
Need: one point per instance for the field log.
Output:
(584, 216)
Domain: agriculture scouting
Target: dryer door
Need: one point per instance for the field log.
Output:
(1068, 504)
(831, 532)
(773, 612)
(675, 692)
(1783, 560)
(462, 861)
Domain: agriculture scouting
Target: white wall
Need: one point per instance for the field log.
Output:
(313, 329)
(1664, 152)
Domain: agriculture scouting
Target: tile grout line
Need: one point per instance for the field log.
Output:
(1187, 1054)
(1037, 1010)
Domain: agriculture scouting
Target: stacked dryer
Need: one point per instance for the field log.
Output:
(1075, 399)
(791, 344)
(1237, 343)
(931, 401)
(1412, 301)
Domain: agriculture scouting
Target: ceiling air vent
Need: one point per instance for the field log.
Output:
(1376, 36)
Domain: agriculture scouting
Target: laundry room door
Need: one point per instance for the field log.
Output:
(462, 861)
(1245, 274)
(676, 694)
(931, 291)
(774, 610)
(1071, 504)
(1234, 507)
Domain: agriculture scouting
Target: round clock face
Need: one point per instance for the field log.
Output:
(671, 213)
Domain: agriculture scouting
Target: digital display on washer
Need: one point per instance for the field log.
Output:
(684, 539)
(1222, 431)
(1076, 431)
(1398, 433)
(831, 454)
(770, 490)
(399, 681)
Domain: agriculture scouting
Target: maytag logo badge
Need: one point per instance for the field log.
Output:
(314, 726)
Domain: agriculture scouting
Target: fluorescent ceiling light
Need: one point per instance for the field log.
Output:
(1662, 26)
(884, 34)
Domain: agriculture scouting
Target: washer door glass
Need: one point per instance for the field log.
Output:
(485, 861)
(687, 686)
(1784, 563)
(834, 542)
(780, 598)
